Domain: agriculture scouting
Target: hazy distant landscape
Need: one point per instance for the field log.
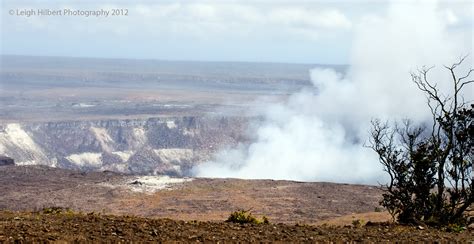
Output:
(56, 88)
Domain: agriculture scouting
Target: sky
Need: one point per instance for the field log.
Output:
(291, 31)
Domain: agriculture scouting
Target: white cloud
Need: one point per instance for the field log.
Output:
(309, 19)
(278, 30)
(197, 19)
(451, 18)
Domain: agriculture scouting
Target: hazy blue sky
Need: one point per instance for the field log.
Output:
(266, 30)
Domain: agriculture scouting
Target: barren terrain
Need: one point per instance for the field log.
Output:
(35, 187)
(93, 227)
(159, 208)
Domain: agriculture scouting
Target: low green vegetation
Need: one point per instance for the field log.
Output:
(56, 210)
(246, 217)
(356, 223)
(456, 228)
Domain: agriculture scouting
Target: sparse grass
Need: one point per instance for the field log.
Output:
(357, 223)
(57, 210)
(265, 220)
(246, 217)
(456, 228)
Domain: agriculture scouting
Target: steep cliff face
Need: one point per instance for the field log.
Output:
(151, 146)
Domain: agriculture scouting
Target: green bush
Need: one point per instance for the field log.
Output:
(265, 220)
(246, 217)
(457, 228)
(57, 210)
(356, 223)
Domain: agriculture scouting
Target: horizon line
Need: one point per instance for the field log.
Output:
(169, 60)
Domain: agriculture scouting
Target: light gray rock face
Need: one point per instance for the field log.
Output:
(141, 146)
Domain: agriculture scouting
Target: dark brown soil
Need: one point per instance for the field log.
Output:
(35, 227)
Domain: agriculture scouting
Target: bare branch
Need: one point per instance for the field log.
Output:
(461, 60)
(465, 83)
(464, 77)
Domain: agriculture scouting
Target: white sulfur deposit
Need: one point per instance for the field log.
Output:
(154, 183)
(86, 159)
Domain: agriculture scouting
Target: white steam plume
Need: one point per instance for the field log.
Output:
(320, 136)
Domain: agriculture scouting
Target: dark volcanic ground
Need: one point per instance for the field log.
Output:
(60, 227)
(35, 187)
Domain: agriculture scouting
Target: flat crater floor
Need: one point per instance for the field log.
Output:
(36, 187)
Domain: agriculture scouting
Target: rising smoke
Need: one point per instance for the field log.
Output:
(319, 136)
